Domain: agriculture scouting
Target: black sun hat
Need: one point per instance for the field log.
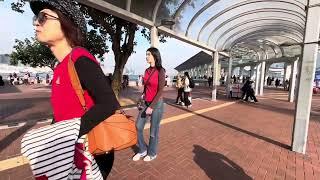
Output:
(67, 7)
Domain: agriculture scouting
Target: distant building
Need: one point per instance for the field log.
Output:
(5, 59)
(200, 65)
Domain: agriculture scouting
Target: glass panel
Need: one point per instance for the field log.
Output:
(187, 12)
(221, 6)
(143, 8)
(248, 21)
(167, 9)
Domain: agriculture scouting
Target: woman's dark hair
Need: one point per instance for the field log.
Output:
(187, 74)
(157, 57)
(74, 35)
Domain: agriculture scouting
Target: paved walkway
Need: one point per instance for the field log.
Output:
(212, 140)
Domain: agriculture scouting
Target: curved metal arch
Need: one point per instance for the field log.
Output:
(261, 50)
(256, 44)
(256, 52)
(261, 34)
(204, 8)
(275, 45)
(267, 40)
(266, 49)
(214, 1)
(262, 10)
(273, 26)
(236, 6)
(263, 19)
(254, 20)
(258, 34)
(228, 9)
(180, 8)
(155, 11)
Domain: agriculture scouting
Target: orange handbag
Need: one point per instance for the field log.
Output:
(117, 132)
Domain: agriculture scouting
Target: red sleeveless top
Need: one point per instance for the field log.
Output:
(64, 101)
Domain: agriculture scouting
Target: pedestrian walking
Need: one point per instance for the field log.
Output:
(187, 90)
(179, 86)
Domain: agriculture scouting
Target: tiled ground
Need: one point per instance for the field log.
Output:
(240, 141)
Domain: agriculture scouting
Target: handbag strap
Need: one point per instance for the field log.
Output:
(144, 88)
(75, 82)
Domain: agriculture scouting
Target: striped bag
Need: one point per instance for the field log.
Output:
(55, 152)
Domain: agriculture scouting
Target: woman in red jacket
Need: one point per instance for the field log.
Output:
(61, 26)
(154, 82)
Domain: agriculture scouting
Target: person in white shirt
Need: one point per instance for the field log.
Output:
(187, 90)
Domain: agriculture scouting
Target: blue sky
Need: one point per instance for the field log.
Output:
(19, 26)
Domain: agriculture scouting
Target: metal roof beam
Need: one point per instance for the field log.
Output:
(189, 41)
(269, 25)
(129, 16)
(272, 60)
(251, 20)
(267, 32)
(244, 3)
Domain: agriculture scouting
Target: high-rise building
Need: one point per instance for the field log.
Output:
(4, 59)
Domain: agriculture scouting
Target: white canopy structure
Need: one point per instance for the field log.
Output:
(248, 32)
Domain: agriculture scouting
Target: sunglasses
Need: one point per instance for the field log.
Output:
(43, 17)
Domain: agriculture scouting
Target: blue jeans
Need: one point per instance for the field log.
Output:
(156, 117)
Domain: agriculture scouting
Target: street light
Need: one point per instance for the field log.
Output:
(166, 22)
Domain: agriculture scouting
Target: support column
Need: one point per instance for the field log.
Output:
(267, 73)
(297, 79)
(256, 83)
(284, 72)
(292, 85)
(219, 72)
(229, 77)
(215, 77)
(241, 73)
(251, 71)
(262, 79)
(154, 37)
(307, 73)
(287, 70)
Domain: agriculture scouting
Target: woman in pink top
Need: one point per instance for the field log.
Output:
(154, 82)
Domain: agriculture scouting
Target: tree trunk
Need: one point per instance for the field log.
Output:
(120, 61)
(116, 81)
(121, 53)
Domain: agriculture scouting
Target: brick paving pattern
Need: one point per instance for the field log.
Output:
(240, 141)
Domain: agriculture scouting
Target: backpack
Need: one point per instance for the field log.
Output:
(191, 83)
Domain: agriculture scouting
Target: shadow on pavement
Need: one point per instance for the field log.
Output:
(284, 110)
(218, 166)
(235, 128)
(15, 135)
(7, 109)
(9, 89)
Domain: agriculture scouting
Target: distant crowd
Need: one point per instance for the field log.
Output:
(26, 79)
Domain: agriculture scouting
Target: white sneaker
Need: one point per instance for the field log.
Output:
(149, 158)
(182, 103)
(137, 156)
